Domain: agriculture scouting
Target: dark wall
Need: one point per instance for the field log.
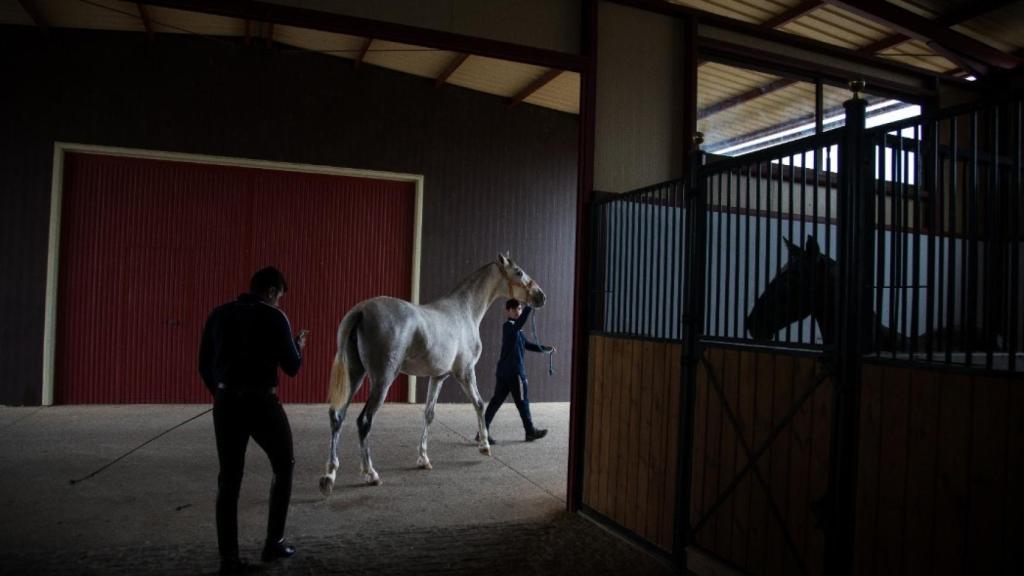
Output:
(495, 178)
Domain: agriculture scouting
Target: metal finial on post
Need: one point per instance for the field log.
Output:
(857, 86)
(698, 139)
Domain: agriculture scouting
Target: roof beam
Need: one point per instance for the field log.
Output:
(938, 37)
(534, 86)
(793, 13)
(747, 96)
(952, 18)
(30, 8)
(452, 67)
(362, 53)
(957, 15)
(264, 11)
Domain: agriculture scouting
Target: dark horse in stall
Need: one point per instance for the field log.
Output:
(807, 285)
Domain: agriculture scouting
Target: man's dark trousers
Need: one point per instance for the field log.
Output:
(237, 416)
(518, 387)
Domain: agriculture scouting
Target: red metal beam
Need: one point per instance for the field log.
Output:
(934, 33)
(534, 86)
(452, 67)
(363, 27)
(362, 53)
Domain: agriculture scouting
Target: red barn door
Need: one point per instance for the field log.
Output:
(149, 247)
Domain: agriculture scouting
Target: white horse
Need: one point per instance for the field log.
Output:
(383, 336)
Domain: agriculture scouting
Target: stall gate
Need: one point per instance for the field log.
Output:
(806, 360)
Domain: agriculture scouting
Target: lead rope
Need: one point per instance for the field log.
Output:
(551, 356)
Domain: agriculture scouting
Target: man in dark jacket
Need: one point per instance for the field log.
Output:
(511, 375)
(244, 343)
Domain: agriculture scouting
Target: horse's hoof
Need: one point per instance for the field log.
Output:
(373, 479)
(326, 486)
(485, 450)
(424, 463)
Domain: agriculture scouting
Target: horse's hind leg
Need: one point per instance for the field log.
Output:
(378, 390)
(468, 383)
(337, 417)
(433, 389)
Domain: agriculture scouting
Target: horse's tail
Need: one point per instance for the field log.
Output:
(348, 351)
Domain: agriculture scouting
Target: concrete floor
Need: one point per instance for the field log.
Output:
(152, 512)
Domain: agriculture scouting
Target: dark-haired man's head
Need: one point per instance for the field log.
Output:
(269, 284)
(513, 308)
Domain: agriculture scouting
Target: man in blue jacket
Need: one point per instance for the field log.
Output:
(511, 375)
(243, 344)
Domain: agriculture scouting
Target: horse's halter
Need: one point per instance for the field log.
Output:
(513, 283)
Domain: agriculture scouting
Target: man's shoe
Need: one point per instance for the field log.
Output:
(536, 434)
(233, 566)
(274, 550)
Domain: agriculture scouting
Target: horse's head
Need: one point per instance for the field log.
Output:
(520, 285)
(785, 300)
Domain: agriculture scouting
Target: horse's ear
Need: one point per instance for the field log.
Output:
(811, 245)
(503, 259)
(794, 250)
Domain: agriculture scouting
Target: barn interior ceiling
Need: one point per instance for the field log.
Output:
(952, 39)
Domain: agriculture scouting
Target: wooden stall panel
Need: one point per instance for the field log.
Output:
(939, 459)
(632, 423)
(758, 515)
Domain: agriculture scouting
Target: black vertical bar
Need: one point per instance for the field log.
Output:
(757, 241)
(903, 231)
(1015, 216)
(734, 252)
(970, 199)
(620, 264)
(768, 224)
(936, 275)
(803, 234)
(991, 208)
(646, 267)
(880, 244)
(719, 329)
(916, 248)
(815, 190)
(662, 263)
(833, 305)
(636, 226)
(854, 249)
(708, 199)
(954, 233)
(728, 247)
(778, 241)
(749, 215)
(795, 241)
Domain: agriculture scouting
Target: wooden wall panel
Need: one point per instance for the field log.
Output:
(939, 472)
(633, 417)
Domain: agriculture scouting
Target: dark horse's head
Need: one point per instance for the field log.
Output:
(787, 298)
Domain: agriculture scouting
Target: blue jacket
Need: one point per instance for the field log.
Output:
(514, 345)
(243, 344)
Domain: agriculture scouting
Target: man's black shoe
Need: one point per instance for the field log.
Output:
(274, 550)
(536, 434)
(230, 567)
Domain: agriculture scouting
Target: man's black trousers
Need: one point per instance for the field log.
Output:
(520, 391)
(237, 416)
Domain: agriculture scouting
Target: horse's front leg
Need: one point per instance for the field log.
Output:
(433, 389)
(468, 382)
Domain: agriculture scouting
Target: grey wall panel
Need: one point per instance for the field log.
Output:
(638, 130)
(495, 178)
